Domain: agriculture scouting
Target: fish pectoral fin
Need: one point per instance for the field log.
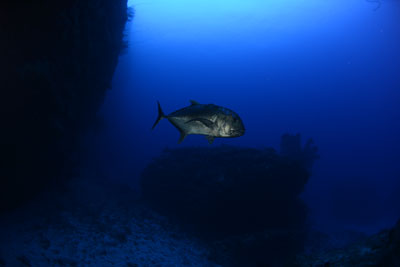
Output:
(182, 137)
(206, 122)
(193, 102)
(210, 139)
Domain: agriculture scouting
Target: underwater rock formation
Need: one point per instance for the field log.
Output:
(59, 60)
(94, 223)
(381, 249)
(291, 147)
(245, 200)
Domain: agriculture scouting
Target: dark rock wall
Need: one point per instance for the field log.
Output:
(391, 254)
(59, 59)
(244, 201)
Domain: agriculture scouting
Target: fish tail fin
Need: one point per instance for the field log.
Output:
(161, 115)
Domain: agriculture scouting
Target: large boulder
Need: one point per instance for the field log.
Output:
(226, 190)
(244, 200)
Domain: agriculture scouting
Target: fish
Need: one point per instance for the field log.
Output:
(209, 120)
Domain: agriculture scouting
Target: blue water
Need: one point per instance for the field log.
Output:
(328, 69)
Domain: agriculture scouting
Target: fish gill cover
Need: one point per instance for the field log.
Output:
(239, 199)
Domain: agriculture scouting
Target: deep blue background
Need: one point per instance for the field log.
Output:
(328, 69)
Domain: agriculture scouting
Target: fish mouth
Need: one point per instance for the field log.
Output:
(238, 133)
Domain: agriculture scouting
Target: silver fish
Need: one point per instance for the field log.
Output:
(209, 120)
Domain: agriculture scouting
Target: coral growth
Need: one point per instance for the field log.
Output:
(291, 147)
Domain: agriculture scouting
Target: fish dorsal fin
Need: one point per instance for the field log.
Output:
(193, 102)
(210, 139)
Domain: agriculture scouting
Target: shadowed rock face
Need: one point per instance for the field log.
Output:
(381, 249)
(391, 255)
(59, 61)
(244, 201)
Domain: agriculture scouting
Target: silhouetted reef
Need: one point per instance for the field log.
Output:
(244, 201)
(292, 148)
(381, 249)
(59, 60)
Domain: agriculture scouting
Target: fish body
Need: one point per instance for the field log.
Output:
(205, 119)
